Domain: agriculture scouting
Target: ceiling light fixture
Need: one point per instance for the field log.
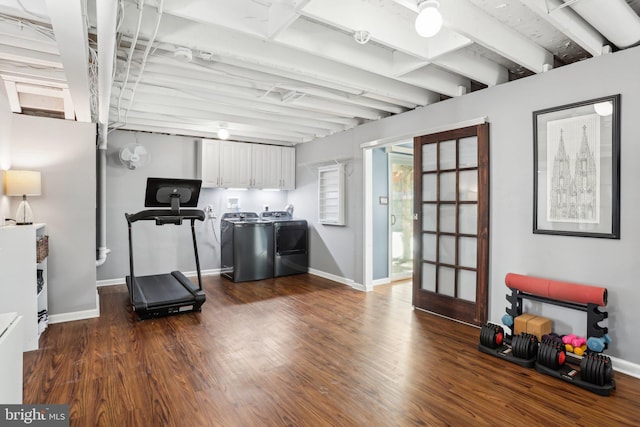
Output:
(429, 20)
(223, 132)
(362, 37)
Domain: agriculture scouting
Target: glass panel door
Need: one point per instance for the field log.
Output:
(400, 218)
(452, 207)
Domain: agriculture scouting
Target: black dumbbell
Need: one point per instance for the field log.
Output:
(491, 335)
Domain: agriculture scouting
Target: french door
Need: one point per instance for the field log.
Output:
(451, 223)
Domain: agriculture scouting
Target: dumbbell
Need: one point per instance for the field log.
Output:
(551, 354)
(596, 369)
(491, 335)
(598, 344)
(553, 337)
(507, 320)
(574, 344)
(524, 346)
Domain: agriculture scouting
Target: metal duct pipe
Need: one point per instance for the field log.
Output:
(614, 19)
(106, 15)
(101, 200)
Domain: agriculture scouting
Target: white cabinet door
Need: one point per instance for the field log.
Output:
(266, 166)
(288, 168)
(235, 164)
(209, 165)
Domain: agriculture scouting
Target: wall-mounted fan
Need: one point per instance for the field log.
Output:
(134, 156)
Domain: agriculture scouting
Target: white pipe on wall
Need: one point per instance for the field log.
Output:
(106, 15)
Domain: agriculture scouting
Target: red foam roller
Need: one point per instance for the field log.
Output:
(558, 290)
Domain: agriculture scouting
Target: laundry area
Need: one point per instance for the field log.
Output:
(256, 247)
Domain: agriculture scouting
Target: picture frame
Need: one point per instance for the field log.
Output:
(576, 156)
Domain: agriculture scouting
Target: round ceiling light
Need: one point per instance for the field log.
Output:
(223, 132)
(429, 20)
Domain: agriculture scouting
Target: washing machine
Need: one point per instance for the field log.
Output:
(247, 246)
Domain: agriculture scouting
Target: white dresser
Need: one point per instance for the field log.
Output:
(10, 359)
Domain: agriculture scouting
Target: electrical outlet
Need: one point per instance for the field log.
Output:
(209, 211)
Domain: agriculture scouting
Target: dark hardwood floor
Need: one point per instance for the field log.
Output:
(298, 351)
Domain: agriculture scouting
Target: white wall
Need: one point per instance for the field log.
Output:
(163, 249)
(5, 149)
(64, 152)
(513, 247)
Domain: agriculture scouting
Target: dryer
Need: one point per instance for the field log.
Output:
(290, 243)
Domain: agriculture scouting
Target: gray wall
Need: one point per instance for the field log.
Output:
(64, 152)
(162, 249)
(332, 249)
(380, 214)
(513, 248)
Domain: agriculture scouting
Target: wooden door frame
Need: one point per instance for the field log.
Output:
(367, 223)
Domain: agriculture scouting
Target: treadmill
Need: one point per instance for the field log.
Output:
(171, 293)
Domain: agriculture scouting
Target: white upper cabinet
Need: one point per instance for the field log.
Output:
(230, 164)
(288, 168)
(209, 162)
(235, 165)
(267, 164)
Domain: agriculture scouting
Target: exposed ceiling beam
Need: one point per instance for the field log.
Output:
(38, 45)
(403, 39)
(484, 70)
(616, 21)
(234, 47)
(36, 73)
(215, 109)
(471, 21)
(240, 97)
(229, 117)
(342, 104)
(172, 124)
(12, 96)
(106, 17)
(68, 22)
(570, 23)
(33, 57)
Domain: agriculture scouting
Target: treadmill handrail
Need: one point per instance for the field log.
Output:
(159, 214)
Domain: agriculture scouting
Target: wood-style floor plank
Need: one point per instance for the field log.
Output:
(298, 351)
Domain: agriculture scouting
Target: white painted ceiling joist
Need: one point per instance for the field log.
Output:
(68, 22)
(570, 23)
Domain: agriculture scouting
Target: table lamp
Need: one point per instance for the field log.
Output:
(22, 183)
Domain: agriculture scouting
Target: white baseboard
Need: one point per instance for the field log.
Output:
(121, 280)
(624, 367)
(339, 279)
(76, 315)
(109, 282)
(383, 281)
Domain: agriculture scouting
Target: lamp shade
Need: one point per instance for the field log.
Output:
(22, 183)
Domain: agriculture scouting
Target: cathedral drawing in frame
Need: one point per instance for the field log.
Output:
(577, 169)
(573, 178)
